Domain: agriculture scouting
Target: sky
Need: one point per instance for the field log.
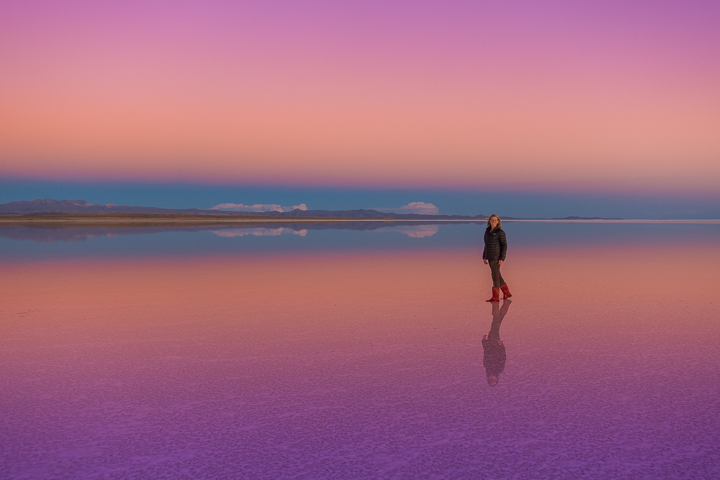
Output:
(527, 108)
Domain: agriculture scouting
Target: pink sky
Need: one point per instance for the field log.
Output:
(622, 95)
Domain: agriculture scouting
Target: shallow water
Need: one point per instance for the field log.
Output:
(297, 352)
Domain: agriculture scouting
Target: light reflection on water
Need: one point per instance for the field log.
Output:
(258, 232)
(352, 354)
(21, 243)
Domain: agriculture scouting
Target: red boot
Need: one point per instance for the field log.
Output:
(495, 296)
(506, 291)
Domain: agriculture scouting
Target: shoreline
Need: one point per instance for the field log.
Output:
(189, 220)
(131, 219)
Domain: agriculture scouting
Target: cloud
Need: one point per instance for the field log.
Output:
(258, 232)
(413, 207)
(258, 207)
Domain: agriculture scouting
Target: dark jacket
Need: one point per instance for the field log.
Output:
(495, 244)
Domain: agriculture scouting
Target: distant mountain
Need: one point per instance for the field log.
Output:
(364, 213)
(63, 207)
(48, 207)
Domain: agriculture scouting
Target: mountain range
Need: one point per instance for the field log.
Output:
(73, 207)
(49, 206)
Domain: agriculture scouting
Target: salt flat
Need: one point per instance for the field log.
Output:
(358, 354)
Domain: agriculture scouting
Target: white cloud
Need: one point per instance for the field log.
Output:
(258, 232)
(258, 207)
(413, 207)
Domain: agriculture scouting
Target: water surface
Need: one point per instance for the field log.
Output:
(289, 352)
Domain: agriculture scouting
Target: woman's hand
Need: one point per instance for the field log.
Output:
(500, 262)
(485, 261)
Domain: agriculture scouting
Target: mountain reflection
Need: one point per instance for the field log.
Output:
(413, 231)
(259, 232)
(40, 233)
(493, 347)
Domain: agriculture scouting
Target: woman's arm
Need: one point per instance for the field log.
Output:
(503, 245)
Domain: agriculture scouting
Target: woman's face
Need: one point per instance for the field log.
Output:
(493, 222)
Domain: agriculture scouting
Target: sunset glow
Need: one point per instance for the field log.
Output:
(562, 95)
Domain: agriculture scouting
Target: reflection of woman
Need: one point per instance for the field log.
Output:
(493, 347)
(494, 254)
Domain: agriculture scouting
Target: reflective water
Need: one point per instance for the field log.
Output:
(302, 352)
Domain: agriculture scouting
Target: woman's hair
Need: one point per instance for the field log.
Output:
(499, 221)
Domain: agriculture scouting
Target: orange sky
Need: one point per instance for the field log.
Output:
(554, 97)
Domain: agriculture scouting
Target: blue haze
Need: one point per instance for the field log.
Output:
(463, 202)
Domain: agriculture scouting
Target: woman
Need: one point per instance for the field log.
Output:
(494, 254)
